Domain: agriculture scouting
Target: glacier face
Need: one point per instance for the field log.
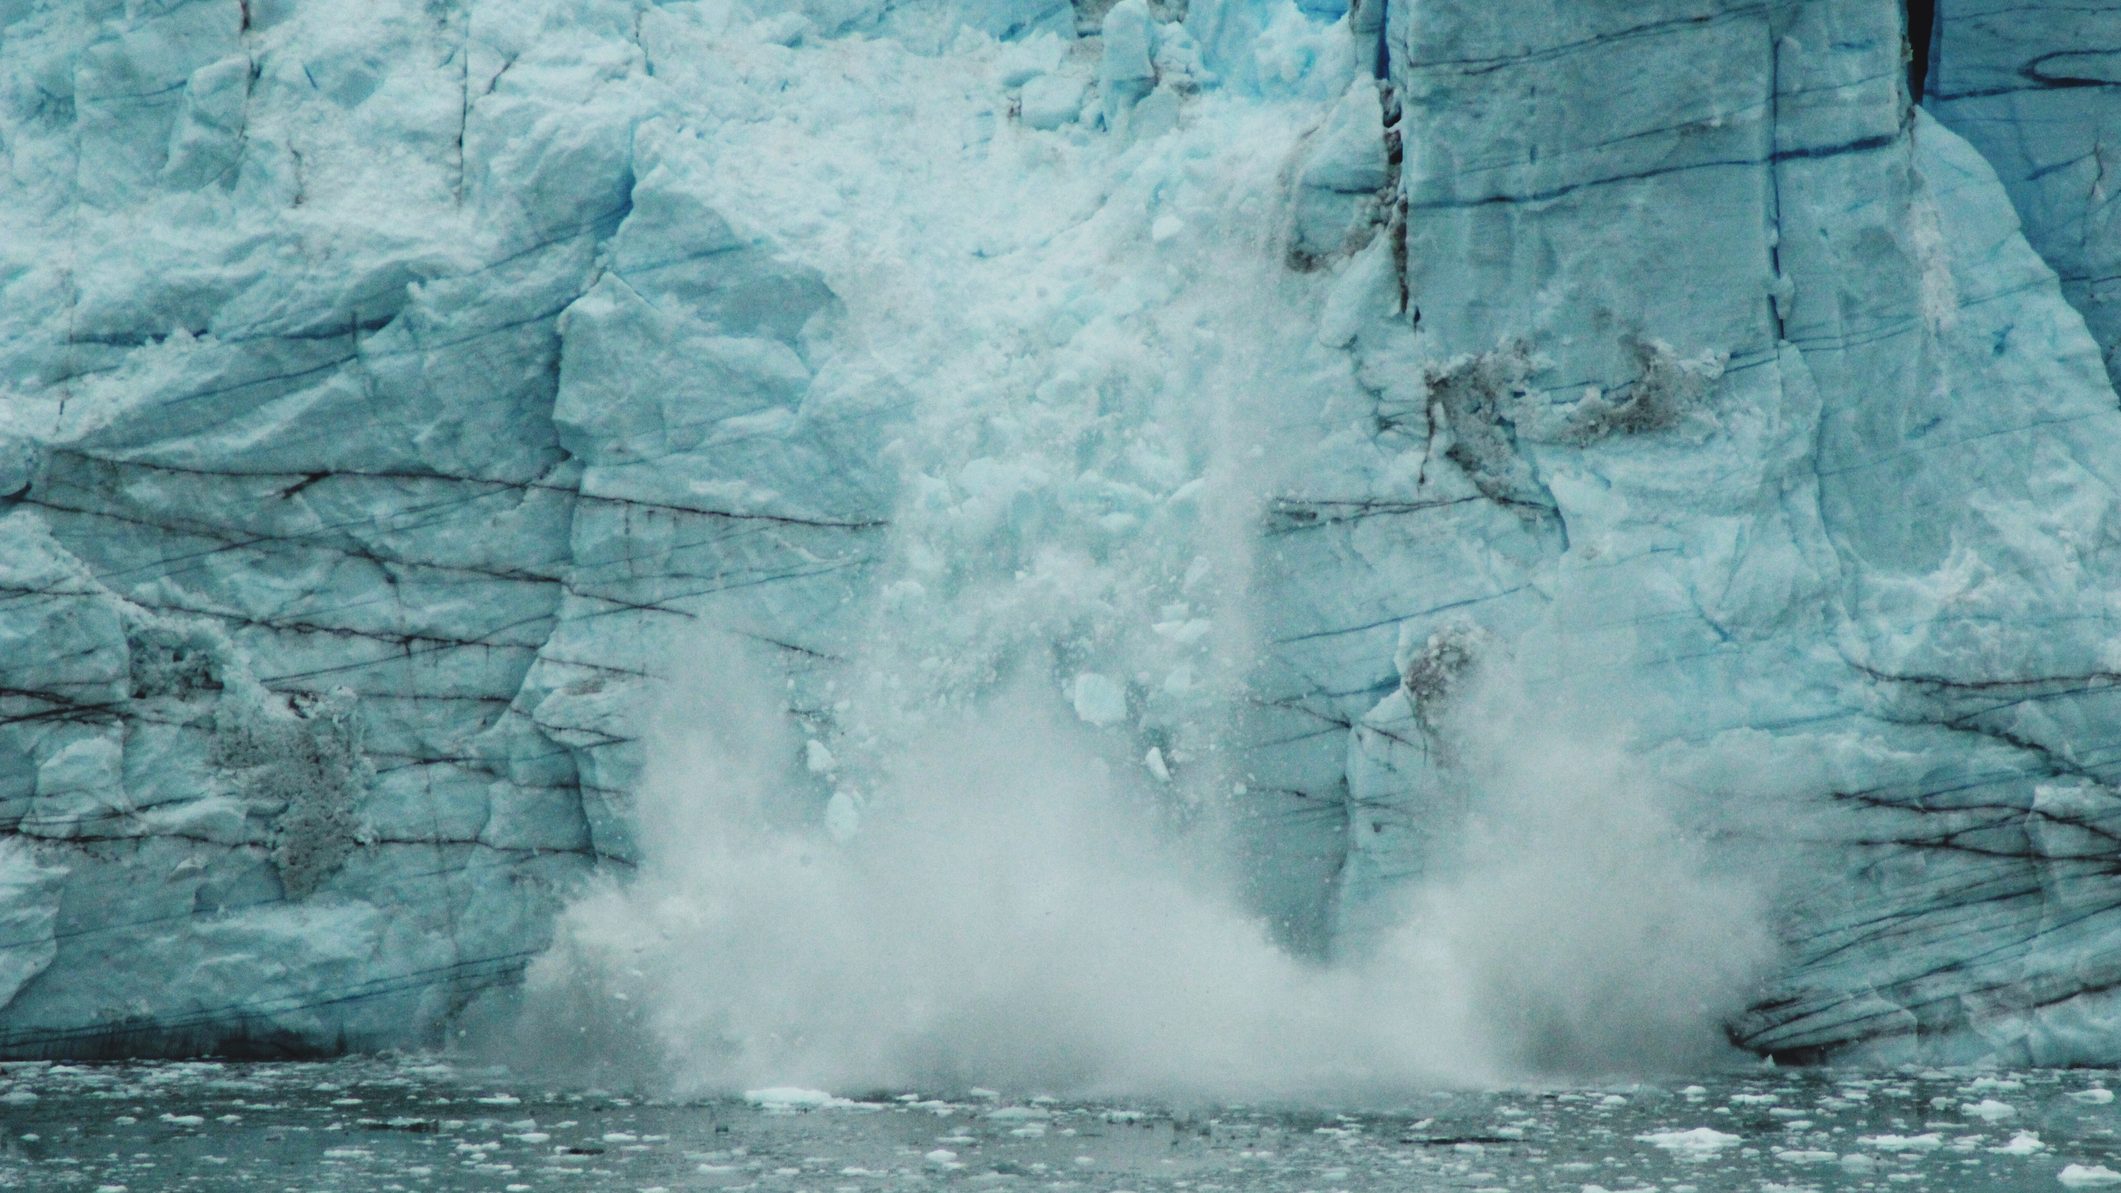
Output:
(393, 394)
(1844, 582)
(317, 319)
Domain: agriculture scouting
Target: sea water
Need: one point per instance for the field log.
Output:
(422, 1122)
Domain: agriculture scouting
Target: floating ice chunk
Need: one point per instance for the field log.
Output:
(2078, 1176)
(1099, 700)
(1989, 1110)
(1699, 1141)
(943, 1157)
(2095, 1096)
(788, 1097)
(2024, 1143)
(1165, 227)
(1903, 1143)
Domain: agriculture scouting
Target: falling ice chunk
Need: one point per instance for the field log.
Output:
(1099, 700)
(1154, 760)
(1185, 630)
(817, 759)
(843, 815)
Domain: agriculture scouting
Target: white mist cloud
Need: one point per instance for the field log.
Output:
(1594, 933)
(1009, 915)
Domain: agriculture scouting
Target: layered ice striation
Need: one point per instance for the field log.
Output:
(393, 391)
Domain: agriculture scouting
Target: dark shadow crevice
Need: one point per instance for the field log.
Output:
(1921, 35)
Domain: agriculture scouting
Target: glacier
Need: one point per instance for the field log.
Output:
(398, 396)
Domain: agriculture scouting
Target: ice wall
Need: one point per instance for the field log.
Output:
(370, 413)
(390, 393)
(1799, 445)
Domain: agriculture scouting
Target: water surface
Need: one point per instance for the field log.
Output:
(423, 1123)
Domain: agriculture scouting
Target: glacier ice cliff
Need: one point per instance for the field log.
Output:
(392, 390)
